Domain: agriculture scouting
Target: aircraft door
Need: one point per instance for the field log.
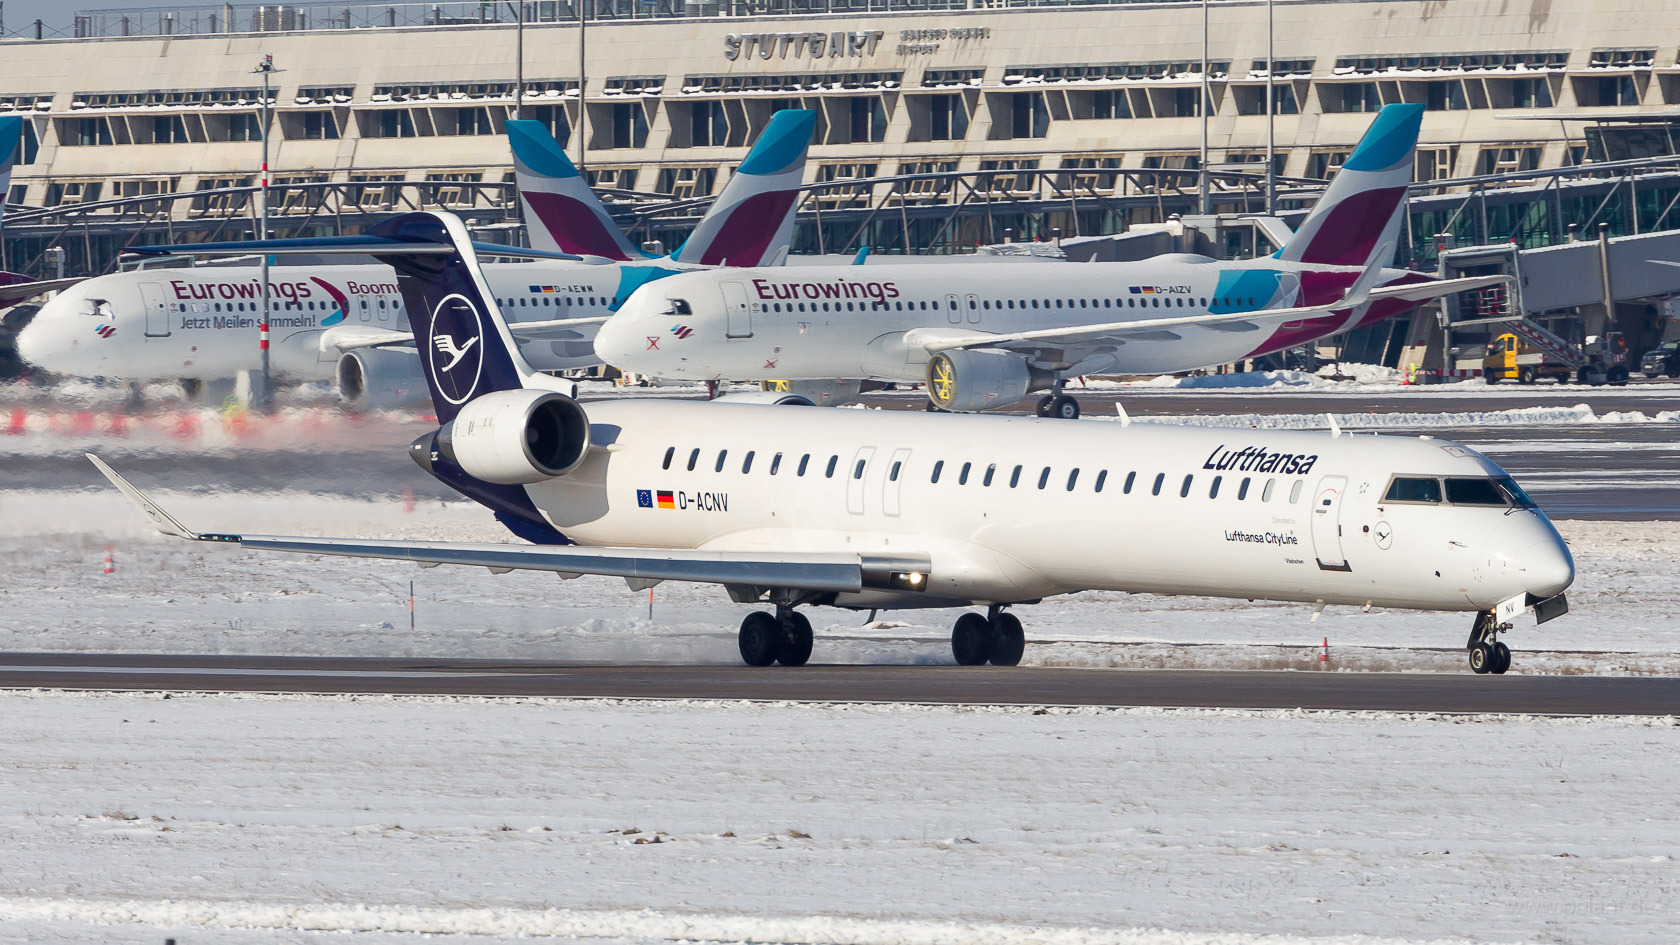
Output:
(893, 483)
(974, 310)
(1327, 523)
(856, 474)
(737, 311)
(953, 309)
(157, 310)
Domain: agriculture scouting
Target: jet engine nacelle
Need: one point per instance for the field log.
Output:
(513, 437)
(381, 378)
(980, 380)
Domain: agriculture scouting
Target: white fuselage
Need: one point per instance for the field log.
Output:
(1025, 508)
(873, 322)
(203, 322)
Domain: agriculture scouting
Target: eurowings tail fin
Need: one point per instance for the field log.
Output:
(1360, 211)
(561, 212)
(751, 222)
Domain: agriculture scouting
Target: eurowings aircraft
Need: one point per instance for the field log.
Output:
(985, 337)
(793, 507)
(16, 287)
(349, 324)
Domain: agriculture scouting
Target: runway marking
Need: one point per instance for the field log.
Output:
(201, 671)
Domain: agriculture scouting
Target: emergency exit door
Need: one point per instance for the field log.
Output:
(737, 311)
(157, 310)
(1327, 523)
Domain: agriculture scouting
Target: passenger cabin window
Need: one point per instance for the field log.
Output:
(1073, 477)
(895, 468)
(746, 464)
(1213, 490)
(1474, 492)
(937, 469)
(1266, 493)
(1044, 477)
(775, 463)
(670, 454)
(833, 461)
(1184, 490)
(990, 472)
(1160, 479)
(1015, 477)
(1413, 489)
(858, 472)
(803, 462)
(962, 477)
(1131, 477)
(1102, 477)
(1295, 491)
(693, 458)
(722, 455)
(1242, 489)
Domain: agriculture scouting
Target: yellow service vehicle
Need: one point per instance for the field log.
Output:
(1603, 360)
(1510, 358)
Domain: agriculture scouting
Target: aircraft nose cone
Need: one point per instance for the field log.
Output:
(32, 342)
(611, 338)
(1549, 568)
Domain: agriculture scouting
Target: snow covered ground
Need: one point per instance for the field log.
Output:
(176, 597)
(227, 820)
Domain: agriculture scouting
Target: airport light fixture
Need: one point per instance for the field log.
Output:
(265, 68)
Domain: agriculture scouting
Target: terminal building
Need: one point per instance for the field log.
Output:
(942, 123)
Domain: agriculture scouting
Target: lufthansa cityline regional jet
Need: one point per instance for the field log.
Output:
(985, 337)
(348, 323)
(868, 509)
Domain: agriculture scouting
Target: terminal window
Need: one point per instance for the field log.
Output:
(1029, 115)
(947, 118)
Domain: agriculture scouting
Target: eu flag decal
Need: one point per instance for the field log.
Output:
(644, 498)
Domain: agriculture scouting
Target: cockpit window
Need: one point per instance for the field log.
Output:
(1518, 497)
(1413, 489)
(681, 307)
(1478, 491)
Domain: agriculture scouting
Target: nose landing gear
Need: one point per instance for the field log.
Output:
(997, 638)
(784, 638)
(1487, 654)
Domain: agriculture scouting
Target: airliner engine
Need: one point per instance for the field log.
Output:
(980, 380)
(513, 437)
(381, 378)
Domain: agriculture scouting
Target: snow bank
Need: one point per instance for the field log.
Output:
(127, 816)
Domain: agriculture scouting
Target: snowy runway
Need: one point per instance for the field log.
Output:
(777, 822)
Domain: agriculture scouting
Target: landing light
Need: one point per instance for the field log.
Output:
(908, 580)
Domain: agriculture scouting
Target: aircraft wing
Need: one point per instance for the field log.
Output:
(639, 567)
(347, 338)
(13, 294)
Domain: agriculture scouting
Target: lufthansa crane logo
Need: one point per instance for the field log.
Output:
(455, 354)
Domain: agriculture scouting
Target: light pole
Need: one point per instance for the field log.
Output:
(583, 84)
(1271, 106)
(518, 59)
(266, 69)
(1202, 177)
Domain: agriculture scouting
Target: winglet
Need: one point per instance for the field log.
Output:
(161, 520)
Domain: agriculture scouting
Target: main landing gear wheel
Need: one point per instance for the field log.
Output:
(760, 639)
(796, 640)
(977, 640)
(1009, 642)
(971, 640)
(1487, 654)
(1059, 407)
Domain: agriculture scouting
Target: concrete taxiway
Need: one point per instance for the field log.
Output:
(946, 685)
